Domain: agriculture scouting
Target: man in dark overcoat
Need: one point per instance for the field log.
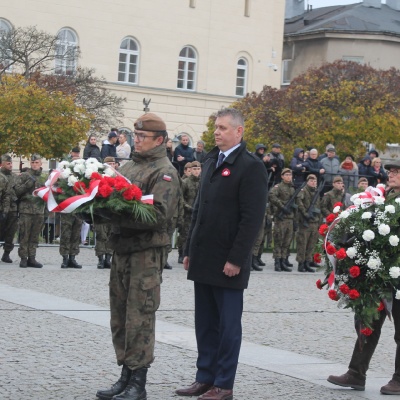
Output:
(227, 216)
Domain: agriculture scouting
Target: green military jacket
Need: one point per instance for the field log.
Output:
(25, 184)
(278, 197)
(154, 174)
(190, 187)
(304, 199)
(4, 194)
(11, 191)
(330, 199)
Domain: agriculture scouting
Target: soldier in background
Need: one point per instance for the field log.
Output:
(187, 171)
(8, 216)
(336, 195)
(309, 222)
(31, 212)
(283, 219)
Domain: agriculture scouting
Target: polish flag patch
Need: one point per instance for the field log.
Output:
(167, 178)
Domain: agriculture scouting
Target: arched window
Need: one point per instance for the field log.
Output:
(5, 54)
(128, 61)
(187, 69)
(4, 26)
(66, 52)
(241, 77)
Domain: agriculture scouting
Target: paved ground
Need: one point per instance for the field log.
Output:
(294, 336)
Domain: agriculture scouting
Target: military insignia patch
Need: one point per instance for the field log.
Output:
(167, 178)
(139, 124)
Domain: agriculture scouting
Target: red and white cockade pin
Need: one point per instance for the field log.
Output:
(226, 172)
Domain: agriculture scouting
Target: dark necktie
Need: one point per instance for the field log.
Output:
(220, 159)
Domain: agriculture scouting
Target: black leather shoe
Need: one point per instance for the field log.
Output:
(195, 389)
(136, 388)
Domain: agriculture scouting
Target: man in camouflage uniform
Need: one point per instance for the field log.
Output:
(138, 260)
(31, 212)
(8, 214)
(336, 195)
(284, 220)
(190, 187)
(307, 235)
(71, 226)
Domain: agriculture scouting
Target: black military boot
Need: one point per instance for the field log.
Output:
(107, 261)
(284, 266)
(255, 266)
(136, 389)
(300, 267)
(64, 263)
(278, 264)
(118, 386)
(6, 257)
(33, 263)
(261, 263)
(167, 266)
(72, 262)
(308, 267)
(287, 262)
(180, 256)
(100, 264)
(23, 263)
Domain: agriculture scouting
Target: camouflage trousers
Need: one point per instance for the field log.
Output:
(306, 240)
(103, 233)
(135, 281)
(283, 233)
(258, 245)
(184, 232)
(30, 226)
(8, 230)
(70, 235)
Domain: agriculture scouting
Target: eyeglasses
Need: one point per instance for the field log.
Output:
(394, 172)
(140, 136)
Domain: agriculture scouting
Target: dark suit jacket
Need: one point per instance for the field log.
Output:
(227, 216)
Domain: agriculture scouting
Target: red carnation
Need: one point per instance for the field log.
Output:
(354, 271)
(366, 331)
(319, 284)
(354, 294)
(341, 254)
(331, 250)
(317, 258)
(138, 192)
(338, 204)
(323, 229)
(128, 194)
(109, 180)
(105, 190)
(79, 187)
(96, 176)
(381, 306)
(333, 295)
(120, 183)
(344, 288)
(330, 218)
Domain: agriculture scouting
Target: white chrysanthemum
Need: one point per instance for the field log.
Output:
(397, 200)
(80, 161)
(336, 209)
(393, 240)
(355, 196)
(351, 252)
(366, 215)
(66, 173)
(89, 172)
(390, 209)
(368, 235)
(379, 200)
(91, 161)
(357, 201)
(394, 272)
(344, 214)
(383, 229)
(374, 263)
(109, 172)
(72, 179)
(63, 164)
(397, 295)
(79, 168)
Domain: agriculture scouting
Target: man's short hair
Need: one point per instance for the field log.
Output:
(201, 142)
(76, 150)
(236, 116)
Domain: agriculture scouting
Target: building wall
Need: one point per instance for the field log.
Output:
(218, 31)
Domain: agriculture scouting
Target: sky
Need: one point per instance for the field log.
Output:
(325, 3)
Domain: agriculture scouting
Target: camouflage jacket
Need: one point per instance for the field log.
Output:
(190, 187)
(279, 196)
(11, 191)
(154, 174)
(4, 194)
(330, 199)
(304, 200)
(25, 184)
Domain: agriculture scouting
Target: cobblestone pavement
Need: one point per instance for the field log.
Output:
(47, 356)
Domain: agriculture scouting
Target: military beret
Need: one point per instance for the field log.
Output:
(188, 165)
(196, 164)
(337, 179)
(363, 179)
(311, 176)
(285, 171)
(35, 157)
(109, 159)
(150, 122)
(6, 158)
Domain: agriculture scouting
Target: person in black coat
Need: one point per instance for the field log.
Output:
(297, 165)
(183, 153)
(91, 149)
(227, 216)
(313, 165)
(109, 148)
